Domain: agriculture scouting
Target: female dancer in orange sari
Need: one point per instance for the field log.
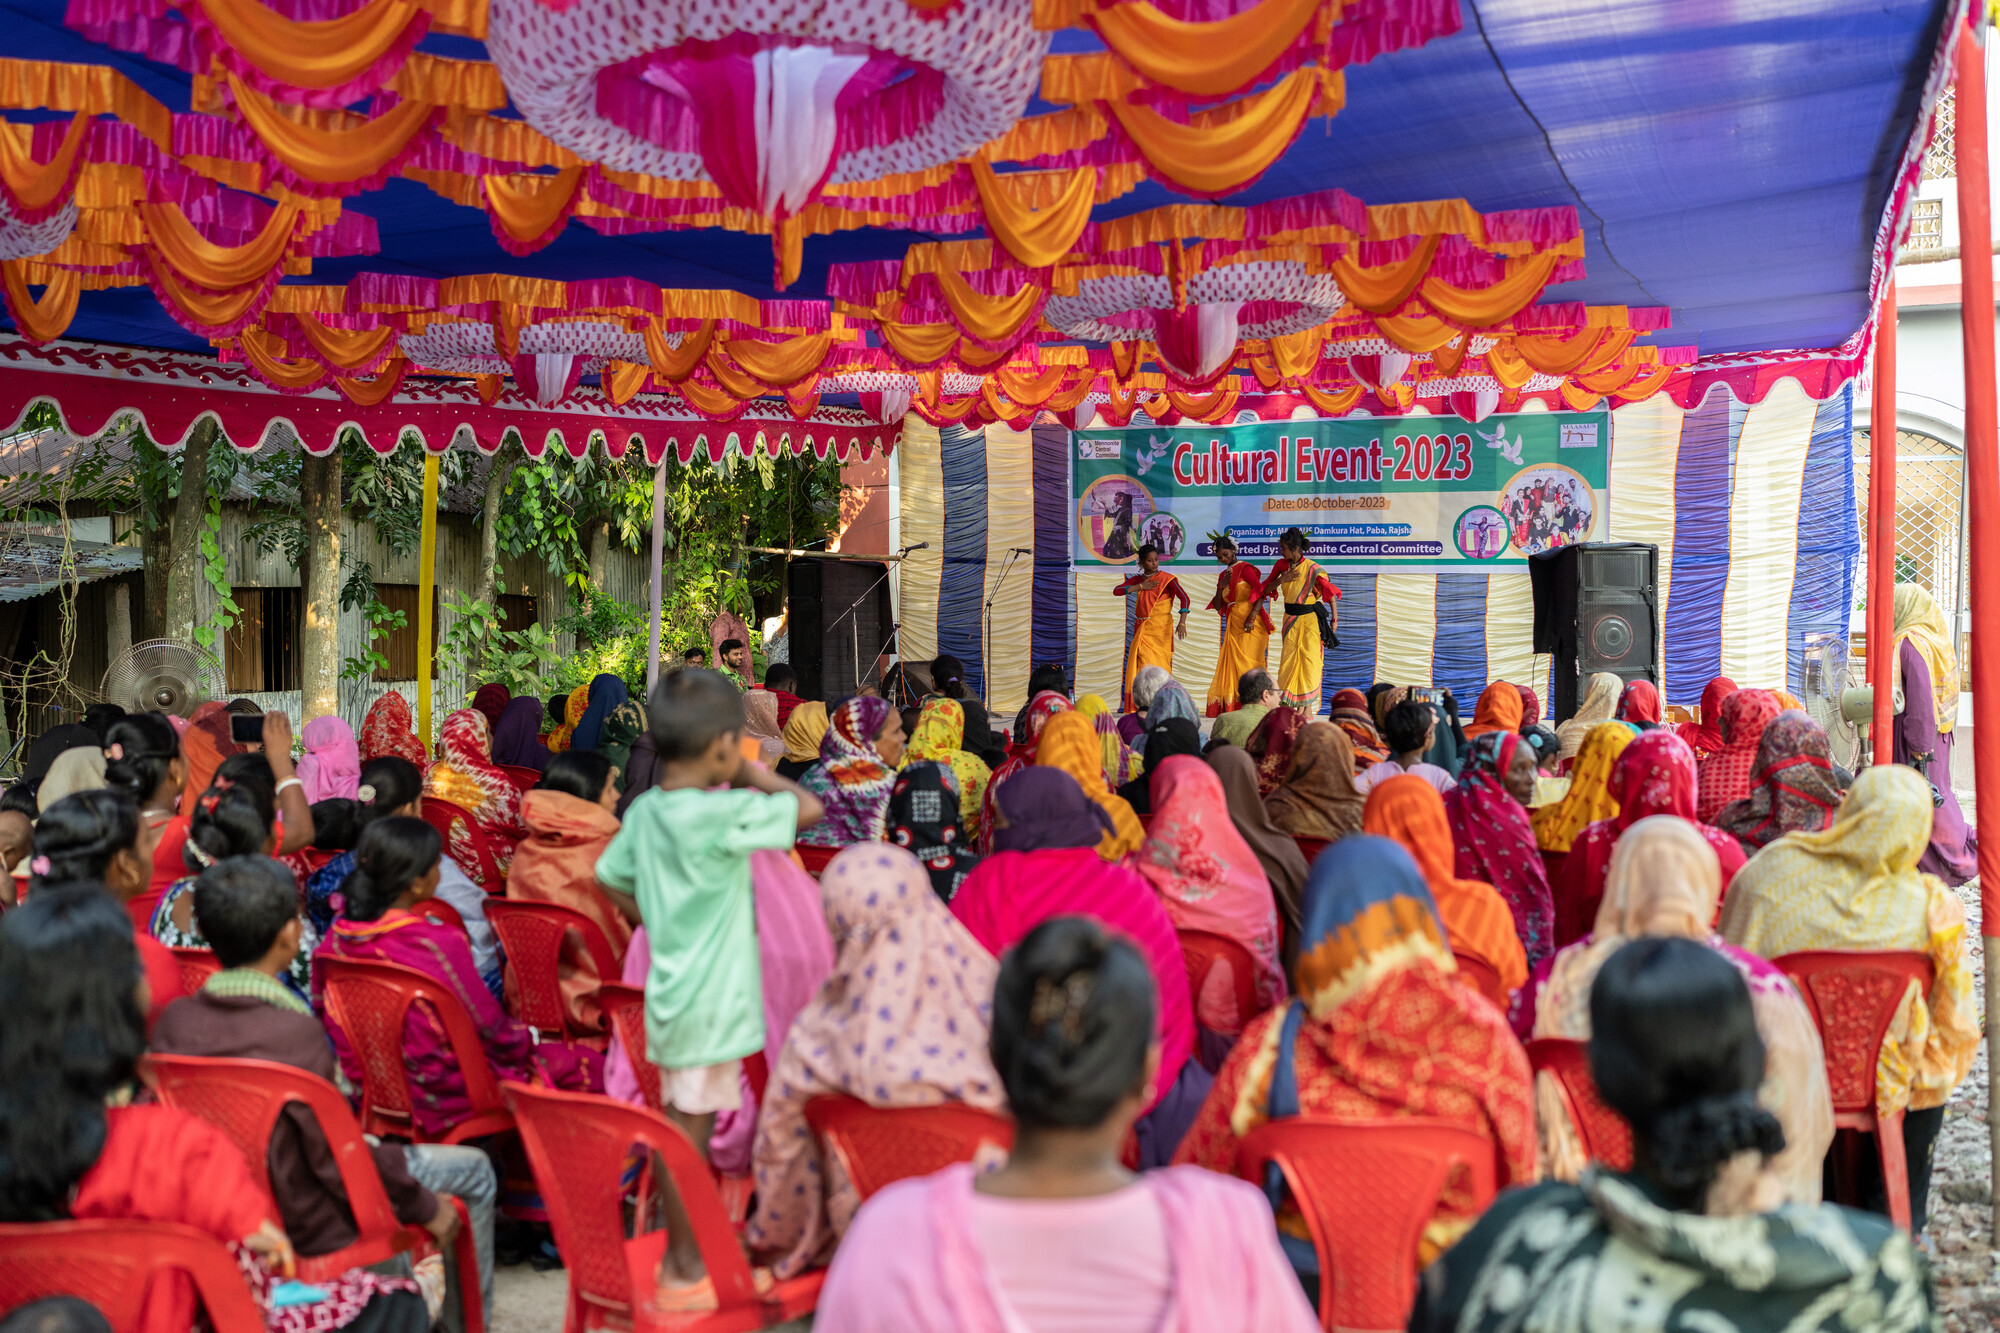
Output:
(1246, 626)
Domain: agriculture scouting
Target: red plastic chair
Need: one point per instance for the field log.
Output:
(880, 1146)
(816, 859)
(625, 1006)
(112, 1263)
(442, 912)
(524, 779)
(465, 842)
(1483, 977)
(197, 966)
(368, 1001)
(1310, 848)
(1606, 1135)
(532, 934)
(1367, 1189)
(1202, 951)
(244, 1098)
(1853, 997)
(578, 1144)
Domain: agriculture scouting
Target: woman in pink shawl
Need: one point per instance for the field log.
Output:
(332, 763)
(1210, 881)
(1045, 864)
(902, 1021)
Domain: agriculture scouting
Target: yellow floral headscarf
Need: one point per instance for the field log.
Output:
(1922, 622)
(1589, 798)
(940, 738)
(573, 711)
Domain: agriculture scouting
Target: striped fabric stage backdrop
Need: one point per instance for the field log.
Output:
(1753, 510)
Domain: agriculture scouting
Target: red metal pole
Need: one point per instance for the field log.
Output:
(1982, 469)
(1882, 528)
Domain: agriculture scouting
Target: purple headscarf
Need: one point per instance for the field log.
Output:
(1045, 808)
(332, 764)
(517, 736)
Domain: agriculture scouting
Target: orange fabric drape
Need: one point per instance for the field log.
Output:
(998, 404)
(219, 267)
(978, 358)
(1577, 398)
(346, 348)
(918, 344)
(803, 399)
(1415, 333)
(1036, 237)
(370, 393)
(704, 399)
(1645, 386)
(96, 89)
(1210, 59)
(989, 318)
(780, 365)
(1211, 406)
(47, 319)
(1338, 403)
(38, 184)
(1448, 358)
(330, 157)
(622, 379)
(1027, 390)
(322, 54)
(1609, 380)
(490, 387)
(1266, 370)
(1067, 399)
(263, 351)
(733, 380)
(1588, 349)
(1386, 289)
(1506, 365)
(1296, 354)
(1478, 306)
(956, 411)
(676, 364)
(1215, 155)
(528, 207)
(212, 310)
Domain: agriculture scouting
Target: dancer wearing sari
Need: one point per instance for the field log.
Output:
(1211, 882)
(1304, 588)
(1271, 746)
(517, 737)
(856, 769)
(467, 777)
(1121, 765)
(901, 1021)
(1928, 669)
(1665, 881)
(1318, 799)
(1069, 743)
(803, 731)
(1600, 701)
(923, 820)
(1153, 594)
(1704, 734)
(1796, 789)
(1477, 920)
(1586, 800)
(1351, 715)
(1382, 1028)
(1655, 775)
(1725, 775)
(1857, 885)
(1246, 626)
(1493, 841)
(386, 730)
(940, 737)
(1639, 704)
(1500, 708)
(1284, 864)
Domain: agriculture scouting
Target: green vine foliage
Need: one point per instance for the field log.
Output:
(518, 659)
(215, 567)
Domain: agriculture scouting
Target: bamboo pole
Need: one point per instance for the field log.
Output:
(1882, 529)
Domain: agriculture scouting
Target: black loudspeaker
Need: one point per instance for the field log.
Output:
(840, 624)
(1596, 609)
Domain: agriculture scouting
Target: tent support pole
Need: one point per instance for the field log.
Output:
(1882, 530)
(1982, 466)
(426, 592)
(659, 565)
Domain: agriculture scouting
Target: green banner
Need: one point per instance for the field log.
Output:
(1417, 493)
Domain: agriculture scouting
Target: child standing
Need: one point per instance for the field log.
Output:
(683, 859)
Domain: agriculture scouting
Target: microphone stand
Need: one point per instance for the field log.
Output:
(985, 674)
(854, 606)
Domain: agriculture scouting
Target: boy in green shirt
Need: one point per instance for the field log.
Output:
(684, 856)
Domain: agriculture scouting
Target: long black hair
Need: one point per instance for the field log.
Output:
(69, 980)
(578, 773)
(387, 784)
(1674, 1049)
(78, 837)
(138, 750)
(232, 818)
(1072, 1021)
(394, 853)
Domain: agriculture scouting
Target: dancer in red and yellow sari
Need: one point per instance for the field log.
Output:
(1303, 586)
(1246, 625)
(1153, 594)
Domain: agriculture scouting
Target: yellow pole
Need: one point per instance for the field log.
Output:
(426, 583)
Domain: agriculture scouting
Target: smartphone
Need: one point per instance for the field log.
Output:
(246, 728)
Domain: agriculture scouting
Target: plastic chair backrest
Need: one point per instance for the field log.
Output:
(879, 1146)
(1606, 1135)
(1853, 997)
(442, 912)
(578, 1144)
(465, 842)
(1482, 976)
(369, 1002)
(816, 859)
(524, 779)
(1367, 1189)
(626, 1008)
(112, 1263)
(197, 966)
(1310, 848)
(1202, 951)
(531, 935)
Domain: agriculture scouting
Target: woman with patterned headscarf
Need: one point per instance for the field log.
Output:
(1725, 775)
(855, 772)
(802, 733)
(1042, 706)
(940, 738)
(924, 821)
(386, 730)
(1928, 669)
(573, 711)
(1121, 762)
(1069, 743)
(1493, 840)
(1382, 1028)
(1796, 790)
(1351, 715)
(1317, 798)
(1588, 799)
(467, 777)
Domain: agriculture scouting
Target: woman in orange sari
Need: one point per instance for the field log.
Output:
(1246, 625)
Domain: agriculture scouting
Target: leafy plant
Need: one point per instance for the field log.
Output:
(215, 567)
(610, 638)
(517, 659)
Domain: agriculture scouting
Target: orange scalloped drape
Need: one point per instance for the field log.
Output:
(956, 411)
(1297, 354)
(803, 400)
(1036, 237)
(989, 318)
(781, 365)
(373, 392)
(346, 348)
(37, 184)
(1068, 399)
(918, 344)
(1577, 398)
(732, 380)
(330, 157)
(1209, 59)
(622, 379)
(47, 319)
(1448, 358)
(265, 352)
(490, 388)
(1586, 350)
(528, 211)
(1211, 406)
(1645, 386)
(1337, 403)
(219, 267)
(1415, 333)
(1507, 365)
(1386, 288)
(676, 364)
(704, 399)
(1215, 158)
(208, 309)
(321, 54)
(1030, 390)
(1480, 306)
(96, 89)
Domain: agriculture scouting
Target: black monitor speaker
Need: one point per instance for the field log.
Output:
(1596, 609)
(840, 623)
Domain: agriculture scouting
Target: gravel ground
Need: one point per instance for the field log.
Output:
(1968, 1277)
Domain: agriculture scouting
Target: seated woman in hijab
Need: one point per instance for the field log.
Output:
(924, 821)
(1693, 1237)
(1042, 706)
(1600, 703)
(1271, 745)
(1725, 776)
(517, 736)
(1121, 763)
(1382, 1027)
(856, 769)
(902, 1021)
(1175, 735)
(1639, 705)
(1284, 864)
(1796, 791)
(802, 733)
(939, 736)
(1145, 688)
(1045, 864)
(1856, 885)
(1317, 798)
(570, 823)
(1665, 881)
(1500, 708)
(467, 777)
(760, 724)
(1587, 799)
(1351, 715)
(1493, 840)
(1070, 743)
